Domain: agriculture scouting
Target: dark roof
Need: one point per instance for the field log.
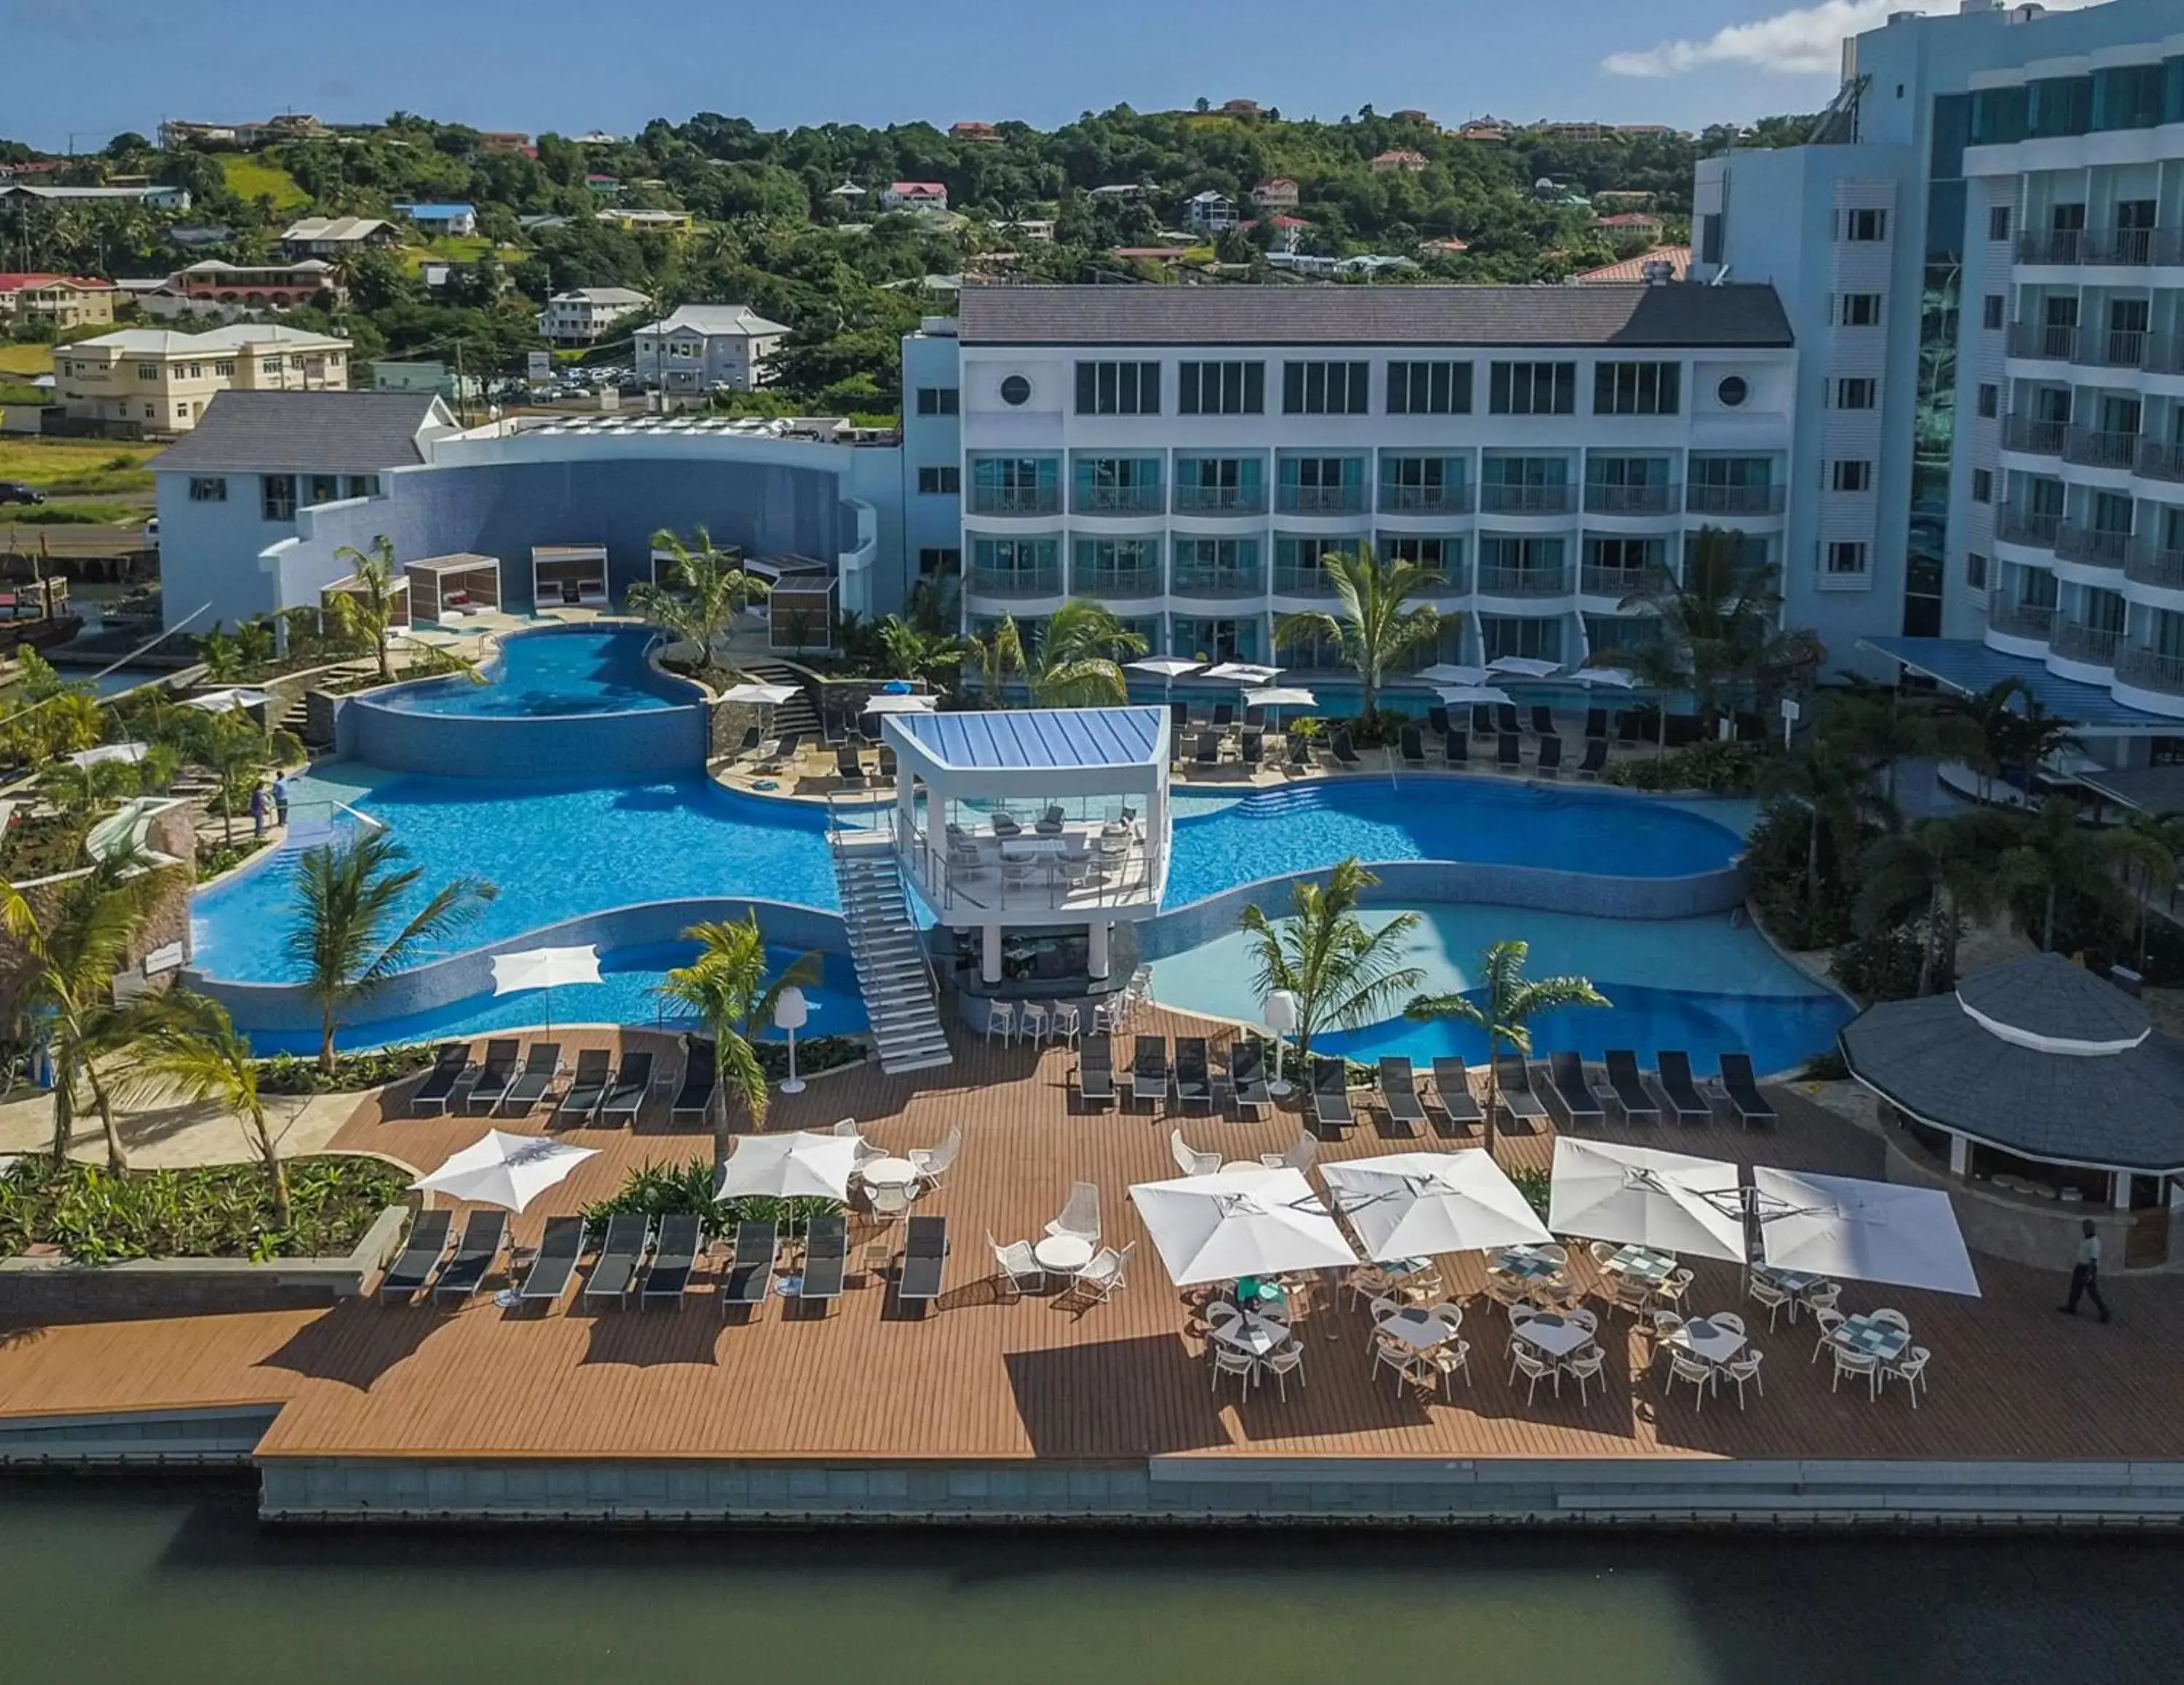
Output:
(2046, 994)
(301, 432)
(1662, 316)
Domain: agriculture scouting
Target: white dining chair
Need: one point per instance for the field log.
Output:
(1586, 1364)
(1891, 1318)
(1451, 1358)
(1822, 1296)
(1383, 1308)
(932, 1161)
(1587, 1320)
(1188, 1159)
(1763, 1291)
(1081, 1216)
(888, 1201)
(1016, 1264)
(1672, 1290)
(1282, 1362)
(1601, 1251)
(1298, 1156)
(1827, 1321)
(1450, 1316)
(1228, 1361)
(1701, 1376)
(1859, 1366)
(1910, 1369)
(1726, 1319)
(1392, 1354)
(1534, 1369)
(1103, 1278)
(1742, 1368)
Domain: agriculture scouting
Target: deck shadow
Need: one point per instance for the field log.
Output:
(357, 1342)
(1139, 1396)
(641, 1339)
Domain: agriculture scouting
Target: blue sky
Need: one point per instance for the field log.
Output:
(571, 66)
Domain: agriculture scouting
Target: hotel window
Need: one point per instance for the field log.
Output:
(1324, 389)
(1220, 388)
(1118, 388)
(1636, 388)
(1533, 389)
(938, 400)
(1997, 222)
(939, 481)
(323, 489)
(1982, 485)
(271, 366)
(939, 562)
(223, 372)
(212, 489)
(1846, 555)
(1865, 225)
(197, 371)
(1974, 570)
(1990, 399)
(1857, 309)
(1855, 393)
(151, 412)
(363, 485)
(148, 372)
(277, 495)
(1428, 388)
(1852, 474)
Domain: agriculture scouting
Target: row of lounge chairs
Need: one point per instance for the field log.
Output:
(1152, 1077)
(1674, 1091)
(511, 1082)
(1455, 747)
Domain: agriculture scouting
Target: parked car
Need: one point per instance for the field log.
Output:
(14, 491)
(152, 535)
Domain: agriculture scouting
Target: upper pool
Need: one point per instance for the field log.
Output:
(551, 673)
(1491, 821)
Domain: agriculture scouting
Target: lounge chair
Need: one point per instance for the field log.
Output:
(1631, 1093)
(1437, 720)
(1255, 718)
(1330, 1095)
(1543, 720)
(422, 1253)
(783, 753)
(1299, 759)
(621, 1254)
(1504, 717)
(588, 1087)
(1482, 719)
(748, 747)
(826, 1259)
(887, 762)
(1456, 745)
(1566, 1074)
(1551, 754)
(681, 1238)
(1595, 725)
(485, 1237)
(847, 767)
(750, 1265)
(495, 1076)
(1399, 1091)
(924, 1259)
(700, 1077)
(1679, 1092)
(1208, 751)
(1596, 758)
(1253, 750)
(437, 1091)
(1194, 1081)
(1512, 1081)
(1345, 752)
(541, 1065)
(554, 1266)
(1247, 1077)
(1626, 723)
(1096, 1071)
(622, 1101)
(1178, 719)
(1741, 1089)
(1414, 746)
(1453, 1090)
(1509, 752)
(834, 727)
(1149, 1069)
(1224, 716)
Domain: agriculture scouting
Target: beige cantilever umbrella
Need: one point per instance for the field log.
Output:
(1421, 1204)
(1642, 1197)
(1238, 1223)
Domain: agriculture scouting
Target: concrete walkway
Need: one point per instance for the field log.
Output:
(175, 1137)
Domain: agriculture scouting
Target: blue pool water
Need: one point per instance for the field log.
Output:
(548, 673)
(1702, 984)
(1486, 819)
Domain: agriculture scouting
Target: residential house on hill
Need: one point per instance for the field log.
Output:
(162, 380)
(581, 314)
(1400, 158)
(58, 301)
(1211, 211)
(436, 219)
(1276, 192)
(914, 196)
(699, 347)
(337, 236)
(984, 134)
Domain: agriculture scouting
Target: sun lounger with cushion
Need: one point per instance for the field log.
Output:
(1096, 1071)
(1742, 1088)
(1345, 752)
(1551, 754)
(1543, 720)
(1596, 759)
(1194, 1082)
(1513, 1081)
(752, 737)
(1149, 1069)
(485, 1235)
(438, 1087)
(681, 1238)
(1677, 1088)
(621, 1254)
(1437, 720)
(541, 1065)
(1509, 752)
(1626, 723)
(1399, 1091)
(422, 1253)
(783, 753)
(1254, 752)
(1299, 759)
(847, 767)
(1247, 1077)
(588, 1087)
(1414, 746)
(700, 1076)
(554, 1263)
(826, 1258)
(1330, 1095)
(1596, 724)
(1453, 1089)
(1457, 747)
(1504, 717)
(1208, 752)
(750, 1265)
(1482, 719)
(1631, 1093)
(1566, 1074)
(622, 1100)
(495, 1076)
(1224, 716)
(924, 1259)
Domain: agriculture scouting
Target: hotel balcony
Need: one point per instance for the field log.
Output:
(1191, 579)
(1302, 582)
(2032, 527)
(1605, 499)
(1446, 499)
(1220, 500)
(2146, 563)
(2114, 247)
(2033, 435)
(1506, 500)
(1319, 500)
(2159, 462)
(1088, 579)
(1733, 499)
(1524, 581)
(2111, 347)
(1044, 581)
(2042, 342)
(1618, 583)
(2089, 546)
(2032, 621)
(2091, 448)
(2149, 670)
(1116, 500)
(1015, 499)
(2090, 646)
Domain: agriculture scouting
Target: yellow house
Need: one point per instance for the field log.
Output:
(163, 380)
(64, 301)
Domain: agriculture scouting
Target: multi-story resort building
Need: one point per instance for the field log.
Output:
(163, 381)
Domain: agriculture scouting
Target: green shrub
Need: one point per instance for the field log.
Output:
(290, 1073)
(1882, 965)
(814, 1054)
(1826, 1066)
(687, 1188)
(1713, 768)
(1775, 854)
(1536, 1185)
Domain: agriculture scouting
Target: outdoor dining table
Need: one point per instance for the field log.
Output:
(1556, 1336)
(1417, 1329)
(1526, 1264)
(1867, 1338)
(1797, 1283)
(1641, 1264)
(1063, 1253)
(1707, 1341)
(1028, 848)
(1253, 1333)
(889, 1172)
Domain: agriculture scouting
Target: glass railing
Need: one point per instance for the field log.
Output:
(2032, 434)
(1607, 500)
(2091, 546)
(1015, 500)
(1319, 500)
(1040, 581)
(2111, 347)
(1091, 580)
(1302, 581)
(1508, 499)
(2051, 245)
(1733, 499)
(1116, 500)
(2045, 341)
(1609, 582)
(1191, 579)
(2151, 564)
(2149, 670)
(2020, 619)
(1448, 499)
(2091, 447)
(2159, 462)
(1523, 582)
(1220, 500)
(2033, 527)
(2130, 246)
(2094, 645)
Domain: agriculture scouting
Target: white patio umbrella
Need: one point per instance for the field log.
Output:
(510, 1170)
(1237, 1222)
(1280, 697)
(1420, 1204)
(1869, 1231)
(544, 968)
(1462, 695)
(1612, 676)
(764, 695)
(1446, 672)
(1523, 666)
(798, 1166)
(131, 752)
(1248, 673)
(900, 702)
(1166, 668)
(1642, 1197)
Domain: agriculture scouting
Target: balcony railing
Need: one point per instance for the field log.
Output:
(1606, 500)
(2119, 246)
(2147, 563)
(1095, 581)
(2149, 670)
(2020, 619)
(2033, 434)
(2033, 527)
(2044, 342)
(1043, 580)
(2089, 546)
(1302, 581)
(1507, 499)
(1116, 500)
(1319, 500)
(1609, 582)
(2111, 347)
(1220, 500)
(2159, 462)
(1444, 500)
(1733, 499)
(2091, 448)
(1191, 579)
(2051, 245)
(2094, 645)
(1524, 581)
(2125, 246)
(1015, 500)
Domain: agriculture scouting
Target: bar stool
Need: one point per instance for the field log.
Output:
(1000, 1019)
(1032, 1026)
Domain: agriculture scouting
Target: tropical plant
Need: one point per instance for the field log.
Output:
(1881, 728)
(2050, 856)
(1511, 1001)
(924, 655)
(1378, 619)
(188, 1046)
(238, 752)
(1931, 876)
(1717, 628)
(1832, 790)
(997, 653)
(350, 933)
(1082, 648)
(1342, 974)
(364, 609)
(706, 589)
(78, 790)
(2144, 848)
(222, 658)
(726, 987)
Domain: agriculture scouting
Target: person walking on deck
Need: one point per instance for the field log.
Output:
(2086, 1275)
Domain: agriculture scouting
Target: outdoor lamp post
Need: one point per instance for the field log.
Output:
(1279, 1015)
(791, 1012)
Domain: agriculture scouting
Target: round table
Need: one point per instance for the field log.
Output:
(1236, 1165)
(889, 1172)
(1063, 1254)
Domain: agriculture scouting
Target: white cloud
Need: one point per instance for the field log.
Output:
(1806, 41)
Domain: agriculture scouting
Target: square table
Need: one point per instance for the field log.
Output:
(1557, 1337)
(1526, 1264)
(1028, 848)
(1864, 1338)
(1707, 1341)
(1415, 1329)
(1641, 1264)
(1253, 1333)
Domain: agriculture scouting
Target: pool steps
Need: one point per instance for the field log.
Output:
(889, 955)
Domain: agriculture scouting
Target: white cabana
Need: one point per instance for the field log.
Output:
(1523, 666)
(568, 576)
(544, 968)
(227, 701)
(447, 587)
(1247, 673)
(1449, 672)
(1641, 1196)
(798, 1166)
(1421, 1204)
(760, 695)
(507, 1171)
(1865, 1230)
(133, 753)
(1236, 1223)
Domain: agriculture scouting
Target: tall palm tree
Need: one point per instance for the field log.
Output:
(77, 790)
(707, 588)
(1081, 651)
(726, 987)
(1883, 729)
(924, 656)
(1342, 974)
(189, 1047)
(1511, 1002)
(365, 611)
(2052, 855)
(1378, 619)
(238, 752)
(1719, 626)
(2144, 849)
(1832, 788)
(350, 934)
(1936, 871)
(999, 653)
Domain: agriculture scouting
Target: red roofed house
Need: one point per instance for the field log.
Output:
(62, 301)
(1676, 260)
(1288, 232)
(1443, 249)
(1400, 157)
(1276, 192)
(983, 133)
(924, 196)
(1240, 107)
(1630, 222)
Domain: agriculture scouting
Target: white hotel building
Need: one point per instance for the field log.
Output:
(1188, 456)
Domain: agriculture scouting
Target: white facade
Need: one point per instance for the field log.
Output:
(581, 314)
(927, 196)
(1213, 212)
(701, 347)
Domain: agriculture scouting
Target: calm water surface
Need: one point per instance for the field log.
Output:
(177, 1584)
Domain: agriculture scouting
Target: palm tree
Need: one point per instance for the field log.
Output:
(1342, 974)
(189, 1047)
(2051, 854)
(1081, 651)
(726, 987)
(1718, 627)
(1937, 871)
(997, 654)
(1833, 789)
(1883, 727)
(350, 933)
(2144, 849)
(77, 790)
(238, 752)
(925, 658)
(366, 610)
(1378, 619)
(1511, 1002)
(707, 588)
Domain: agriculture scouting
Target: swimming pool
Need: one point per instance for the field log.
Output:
(1706, 985)
(1488, 820)
(553, 671)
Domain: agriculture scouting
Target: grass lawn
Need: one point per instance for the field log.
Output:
(26, 360)
(87, 513)
(77, 467)
(28, 396)
(249, 178)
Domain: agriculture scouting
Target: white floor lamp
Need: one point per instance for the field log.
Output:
(1279, 1015)
(791, 1012)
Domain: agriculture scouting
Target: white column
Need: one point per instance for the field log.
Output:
(1960, 1156)
(1097, 945)
(990, 952)
(2120, 1190)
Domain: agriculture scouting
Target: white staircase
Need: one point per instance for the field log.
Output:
(892, 973)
